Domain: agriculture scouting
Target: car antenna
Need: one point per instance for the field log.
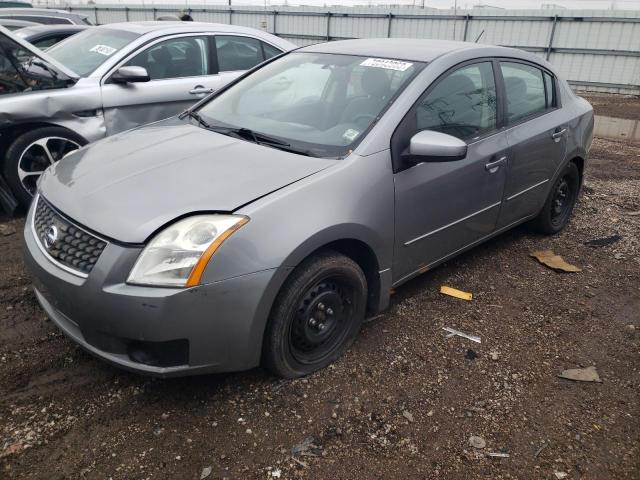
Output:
(479, 36)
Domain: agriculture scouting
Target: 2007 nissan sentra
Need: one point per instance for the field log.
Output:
(264, 224)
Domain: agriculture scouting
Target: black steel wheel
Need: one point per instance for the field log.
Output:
(316, 316)
(560, 201)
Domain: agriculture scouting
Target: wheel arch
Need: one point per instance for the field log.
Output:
(11, 133)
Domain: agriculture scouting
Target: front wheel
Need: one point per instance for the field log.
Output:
(316, 316)
(32, 153)
(558, 207)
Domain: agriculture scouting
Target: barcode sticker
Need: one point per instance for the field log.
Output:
(398, 65)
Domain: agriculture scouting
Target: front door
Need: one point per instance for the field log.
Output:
(537, 135)
(181, 73)
(442, 207)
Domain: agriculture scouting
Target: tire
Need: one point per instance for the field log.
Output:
(26, 156)
(316, 316)
(558, 207)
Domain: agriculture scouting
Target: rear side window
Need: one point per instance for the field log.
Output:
(525, 90)
(269, 51)
(238, 53)
(549, 86)
(462, 104)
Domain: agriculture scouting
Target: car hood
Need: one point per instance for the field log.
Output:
(36, 52)
(127, 186)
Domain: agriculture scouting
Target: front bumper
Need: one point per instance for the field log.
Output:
(158, 331)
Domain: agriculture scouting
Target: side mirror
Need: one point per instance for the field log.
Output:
(429, 146)
(130, 74)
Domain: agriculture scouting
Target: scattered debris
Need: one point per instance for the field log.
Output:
(277, 473)
(604, 241)
(206, 471)
(300, 462)
(11, 449)
(470, 355)
(308, 448)
(553, 261)
(539, 451)
(634, 214)
(408, 415)
(494, 356)
(6, 229)
(453, 292)
(452, 333)
(477, 442)
(560, 475)
(498, 455)
(589, 374)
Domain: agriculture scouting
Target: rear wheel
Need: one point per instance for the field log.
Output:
(559, 205)
(317, 315)
(32, 153)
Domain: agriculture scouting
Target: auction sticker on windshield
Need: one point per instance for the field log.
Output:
(386, 63)
(105, 50)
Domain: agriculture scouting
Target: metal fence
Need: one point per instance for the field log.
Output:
(594, 50)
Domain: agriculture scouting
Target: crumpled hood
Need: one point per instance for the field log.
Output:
(127, 186)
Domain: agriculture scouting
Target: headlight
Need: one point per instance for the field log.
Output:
(178, 255)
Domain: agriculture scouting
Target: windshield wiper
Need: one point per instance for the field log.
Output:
(196, 116)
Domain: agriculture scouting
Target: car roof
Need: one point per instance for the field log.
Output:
(168, 27)
(38, 11)
(417, 50)
(39, 28)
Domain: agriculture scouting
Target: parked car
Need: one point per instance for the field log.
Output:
(15, 4)
(45, 36)
(108, 79)
(44, 16)
(11, 24)
(266, 222)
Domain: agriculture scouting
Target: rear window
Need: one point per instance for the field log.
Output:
(87, 50)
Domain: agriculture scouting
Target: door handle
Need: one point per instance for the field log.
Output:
(557, 134)
(199, 90)
(492, 167)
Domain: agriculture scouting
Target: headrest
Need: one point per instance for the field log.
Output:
(376, 82)
(516, 87)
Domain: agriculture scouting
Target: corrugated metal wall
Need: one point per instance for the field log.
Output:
(594, 50)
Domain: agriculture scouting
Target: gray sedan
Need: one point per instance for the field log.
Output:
(108, 79)
(267, 222)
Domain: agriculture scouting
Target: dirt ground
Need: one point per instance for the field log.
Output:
(404, 400)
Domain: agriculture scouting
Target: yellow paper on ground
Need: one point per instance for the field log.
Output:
(453, 292)
(553, 261)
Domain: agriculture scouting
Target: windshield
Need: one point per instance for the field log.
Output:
(319, 104)
(87, 50)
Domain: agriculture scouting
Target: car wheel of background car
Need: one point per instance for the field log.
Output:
(30, 155)
(316, 316)
(559, 205)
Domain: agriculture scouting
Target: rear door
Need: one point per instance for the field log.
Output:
(442, 207)
(182, 71)
(238, 53)
(536, 133)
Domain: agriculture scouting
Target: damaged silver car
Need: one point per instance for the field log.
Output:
(109, 79)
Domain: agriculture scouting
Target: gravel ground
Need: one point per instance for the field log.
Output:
(402, 403)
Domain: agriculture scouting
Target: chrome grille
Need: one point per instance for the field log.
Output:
(67, 244)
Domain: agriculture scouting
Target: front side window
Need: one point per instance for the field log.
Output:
(316, 103)
(525, 90)
(462, 104)
(238, 53)
(87, 50)
(175, 58)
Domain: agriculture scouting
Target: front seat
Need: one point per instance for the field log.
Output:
(161, 63)
(377, 86)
